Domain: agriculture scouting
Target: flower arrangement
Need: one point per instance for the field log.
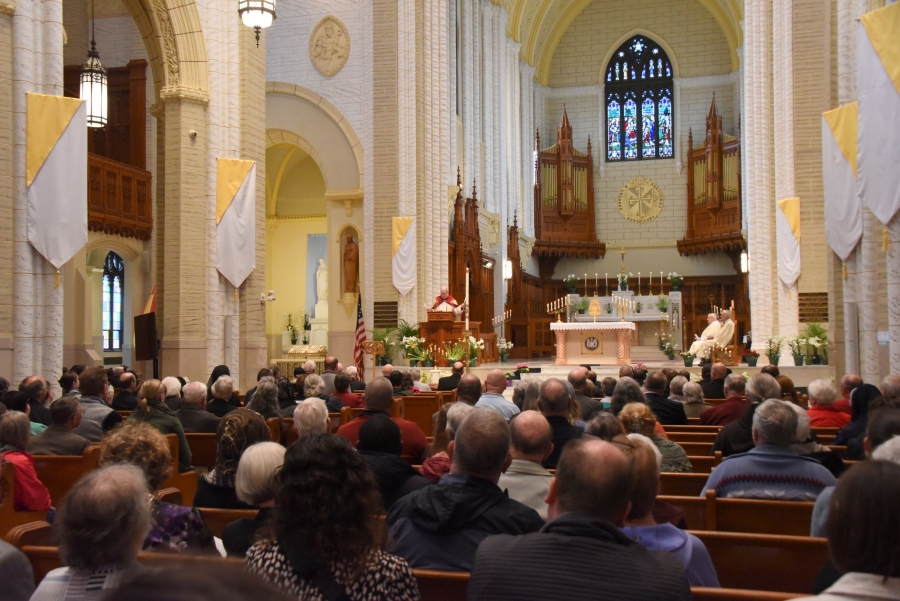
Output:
(795, 343)
(504, 346)
(411, 344)
(749, 353)
(421, 354)
(623, 280)
(773, 345)
(454, 351)
(571, 282)
(669, 348)
(510, 375)
(291, 328)
(306, 323)
(475, 345)
(688, 355)
(662, 304)
(638, 306)
(522, 368)
(581, 305)
(675, 280)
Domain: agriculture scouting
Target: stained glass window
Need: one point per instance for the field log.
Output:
(613, 143)
(639, 122)
(112, 306)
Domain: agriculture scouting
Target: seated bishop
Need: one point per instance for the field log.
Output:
(702, 345)
(723, 336)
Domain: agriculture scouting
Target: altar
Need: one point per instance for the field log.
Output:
(597, 343)
(652, 315)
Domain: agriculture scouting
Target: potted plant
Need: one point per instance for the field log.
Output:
(669, 350)
(454, 351)
(662, 304)
(750, 357)
(581, 305)
(816, 344)
(521, 368)
(386, 337)
(796, 344)
(675, 281)
(638, 306)
(504, 347)
(623, 280)
(773, 348)
(510, 376)
(475, 345)
(291, 328)
(688, 357)
(412, 346)
(609, 308)
(571, 283)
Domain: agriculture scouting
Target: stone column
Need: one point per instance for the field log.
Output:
(488, 65)
(526, 79)
(7, 140)
(407, 126)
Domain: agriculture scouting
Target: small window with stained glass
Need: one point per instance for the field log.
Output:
(112, 307)
(639, 102)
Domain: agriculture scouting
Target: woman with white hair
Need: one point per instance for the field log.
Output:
(822, 412)
(255, 485)
(314, 387)
(221, 391)
(692, 397)
(173, 400)
(311, 416)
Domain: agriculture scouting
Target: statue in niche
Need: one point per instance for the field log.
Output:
(322, 281)
(351, 265)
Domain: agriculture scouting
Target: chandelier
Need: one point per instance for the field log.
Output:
(257, 14)
(94, 84)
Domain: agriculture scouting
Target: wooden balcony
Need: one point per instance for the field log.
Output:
(119, 200)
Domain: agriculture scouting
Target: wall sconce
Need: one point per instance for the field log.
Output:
(745, 262)
(263, 297)
(507, 270)
(488, 263)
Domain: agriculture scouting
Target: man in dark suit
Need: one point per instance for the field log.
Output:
(355, 384)
(587, 503)
(553, 403)
(193, 414)
(714, 388)
(38, 391)
(126, 400)
(452, 381)
(668, 412)
(58, 438)
(588, 406)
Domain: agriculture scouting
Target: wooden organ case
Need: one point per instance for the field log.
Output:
(714, 193)
(564, 222)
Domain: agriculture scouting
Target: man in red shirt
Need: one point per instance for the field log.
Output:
(733, 406)
(848, 383)
(378, 399)
(822, 412)
(342, 391)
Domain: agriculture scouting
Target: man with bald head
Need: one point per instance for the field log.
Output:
(553, 403)
(469, 389)
(714, 388)
(379, 399)
(440, 527)
(626, 371)
(492, 398)
(588, 502)
(588, 406)
(531, 442)
(450, 382)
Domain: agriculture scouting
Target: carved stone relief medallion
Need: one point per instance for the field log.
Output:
(640, 200)
(329, 45)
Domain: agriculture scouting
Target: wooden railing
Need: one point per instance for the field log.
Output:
(119, 200)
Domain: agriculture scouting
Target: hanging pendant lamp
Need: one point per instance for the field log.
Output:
(94, 84)
(257, 14)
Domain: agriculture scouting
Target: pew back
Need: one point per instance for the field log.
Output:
(59, 473)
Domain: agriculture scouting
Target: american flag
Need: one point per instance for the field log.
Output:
(360, 338)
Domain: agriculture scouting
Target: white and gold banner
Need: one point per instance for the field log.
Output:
(843, 208)
(878, 94)
(56, 175)
(403, 253)
(787, 229)
(235, 219)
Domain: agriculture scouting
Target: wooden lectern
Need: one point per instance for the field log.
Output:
(441, 328)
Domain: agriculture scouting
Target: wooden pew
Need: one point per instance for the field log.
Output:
(9, 517)
(704, 464)
(274, 429)
(290, 432)
(59, 473)
(32, 533)
(697, 448)
(420, 408)
(186, 482)
(334, 422)
(217, 519)
(682, 485)
(790, 518)
(680, 437)
(351, 413)
(765, 561)
(203, 449)
(692, 427)
(732, 594)
(435, 585)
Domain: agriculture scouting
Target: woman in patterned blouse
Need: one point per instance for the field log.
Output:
(640, 419)
(325, 538)
(173, 527)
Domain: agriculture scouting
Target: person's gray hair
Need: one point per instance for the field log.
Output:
(310, 417)
(692, 393)
(890, 387)
(556, 401)
(726, 313)
(415, 373)
(804, 431)
(775, 422)
(194, 392)
(735, 383)
(518, 395)
(313, 385)
(762, 386)
(627, 391)
(104, 518)
(455, 416)
(309, 367)
(223, 388)
(636, 438)
(267, 389)
(255, 479)
(481, 444)
(888, 451)
(351, 371)
(822, 392)
(676, 386)
(172, 385)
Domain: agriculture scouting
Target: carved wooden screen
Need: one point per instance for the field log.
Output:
(564, 200)
(714, 192)
(465, 250)
(529, 327)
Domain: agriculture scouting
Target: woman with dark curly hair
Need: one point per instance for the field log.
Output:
(325, 538)
(237, 430)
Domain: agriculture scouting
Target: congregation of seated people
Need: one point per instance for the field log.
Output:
(552, 488)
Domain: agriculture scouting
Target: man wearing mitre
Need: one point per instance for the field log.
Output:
(706, 339)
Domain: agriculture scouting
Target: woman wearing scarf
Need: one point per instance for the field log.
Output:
(238, 430)
(852, 434)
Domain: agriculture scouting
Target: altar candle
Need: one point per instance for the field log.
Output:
(606, 280)
(467, 299)
(585, 284)
(595, 281)
(639, 279)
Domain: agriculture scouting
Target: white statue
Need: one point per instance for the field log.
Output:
(322, 281)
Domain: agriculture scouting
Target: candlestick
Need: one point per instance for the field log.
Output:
(467, 299)
(595, 282)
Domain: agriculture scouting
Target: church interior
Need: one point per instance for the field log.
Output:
(507, 189)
